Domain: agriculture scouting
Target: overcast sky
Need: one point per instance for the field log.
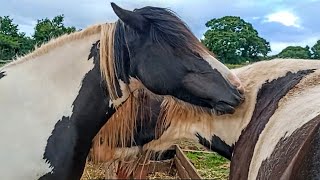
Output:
(281, 22)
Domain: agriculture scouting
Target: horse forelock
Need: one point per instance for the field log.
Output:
(167, 29)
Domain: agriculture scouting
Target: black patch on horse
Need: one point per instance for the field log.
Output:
(302, 155)
(2, 74)
(70, 141)
(217, 145)
(145, 128)
(267, 102)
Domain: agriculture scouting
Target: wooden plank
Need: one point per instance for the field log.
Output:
(161, 166)
(187, 164)
(183, 174)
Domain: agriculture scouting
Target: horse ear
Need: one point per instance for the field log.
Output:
(133, 19)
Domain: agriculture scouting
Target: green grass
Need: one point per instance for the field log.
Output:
(233, 66)
(210, 165)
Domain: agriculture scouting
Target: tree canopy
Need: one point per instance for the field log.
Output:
(316, 50)
(234, 41)
(12, 42)
(46, 29)
(295, 52)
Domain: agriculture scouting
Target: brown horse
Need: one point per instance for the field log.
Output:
(274, 134)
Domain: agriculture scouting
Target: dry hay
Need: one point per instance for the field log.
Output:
(93, 171)
(164, 175)
(158, 170)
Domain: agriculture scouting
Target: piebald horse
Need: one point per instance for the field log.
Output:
(54, 100)
(274, 134)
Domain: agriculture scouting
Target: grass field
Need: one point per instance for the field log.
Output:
(210, 165)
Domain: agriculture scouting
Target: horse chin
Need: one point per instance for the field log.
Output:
(224, 108)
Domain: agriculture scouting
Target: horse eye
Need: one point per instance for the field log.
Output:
(197, 55)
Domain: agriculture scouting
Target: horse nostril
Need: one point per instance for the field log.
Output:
(238, 98)
(240, 90)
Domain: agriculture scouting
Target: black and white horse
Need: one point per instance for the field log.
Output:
(54, 100)
(274, 134)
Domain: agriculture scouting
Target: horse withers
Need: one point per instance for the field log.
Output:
(54, 100)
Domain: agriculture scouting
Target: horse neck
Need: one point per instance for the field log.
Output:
(61, 90)
(51, 78)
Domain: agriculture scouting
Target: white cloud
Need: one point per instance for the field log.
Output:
(256, 18)
(284, 17)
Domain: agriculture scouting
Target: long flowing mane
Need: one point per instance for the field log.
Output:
(118, 132)
(174, 113)
(168, 29)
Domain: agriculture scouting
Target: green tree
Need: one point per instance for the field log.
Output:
(316, 50)
(46, 29)
(295, 52)
(12, 42)
(234, 41)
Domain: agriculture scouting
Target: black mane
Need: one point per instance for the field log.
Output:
(166, 29)
(121, 53)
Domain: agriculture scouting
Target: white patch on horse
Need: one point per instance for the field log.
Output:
(225, 72)
(34, 96)
(284, 122)
(125, 94)
(126, 90)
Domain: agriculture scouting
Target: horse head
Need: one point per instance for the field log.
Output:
(154, 46)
